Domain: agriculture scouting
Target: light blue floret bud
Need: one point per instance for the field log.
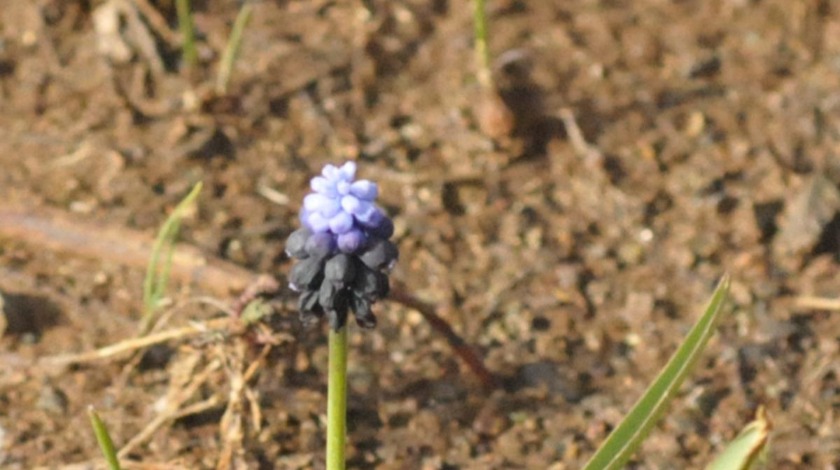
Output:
(343, 207)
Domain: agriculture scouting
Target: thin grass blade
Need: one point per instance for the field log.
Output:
(160, 263)
(748, 448)
(104, 440)
(187, 29)
(232, 48)
(628, 436)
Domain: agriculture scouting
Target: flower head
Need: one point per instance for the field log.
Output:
(342, 248)
(343, 207)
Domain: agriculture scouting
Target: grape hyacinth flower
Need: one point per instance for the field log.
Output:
(343, 250)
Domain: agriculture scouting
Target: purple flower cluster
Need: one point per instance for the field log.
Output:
(344, 208)
(342, 248)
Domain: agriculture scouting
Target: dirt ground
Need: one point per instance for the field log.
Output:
(655, 146)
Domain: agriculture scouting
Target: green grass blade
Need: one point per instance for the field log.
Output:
(626, 438)
(482, 51)
(747, 449)
(187, 29)
(232, 48)
(104, 440)
(160, 263)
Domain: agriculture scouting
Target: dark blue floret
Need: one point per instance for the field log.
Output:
(307, 274)
(342, 250)
(296, 243)
(340, 269)
(319, 245)
(380, 254)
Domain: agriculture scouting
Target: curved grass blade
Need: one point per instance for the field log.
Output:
(104, 440)
(626, 438)
(160, 263)
(748, 448)
(232, 48)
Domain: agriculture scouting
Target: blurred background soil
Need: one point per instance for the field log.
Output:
(655, 146)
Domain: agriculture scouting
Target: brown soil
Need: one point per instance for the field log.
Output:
(655, 146)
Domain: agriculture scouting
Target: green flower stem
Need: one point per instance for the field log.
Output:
(337, 399)
(482, 52)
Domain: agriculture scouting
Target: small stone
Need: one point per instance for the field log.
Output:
(549, 375)
(495, 119)
(806, 216)
(52, 399)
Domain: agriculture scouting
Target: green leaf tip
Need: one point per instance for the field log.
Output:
(103, 438)
(749, 448)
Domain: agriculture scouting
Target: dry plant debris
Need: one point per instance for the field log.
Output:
(655, 145)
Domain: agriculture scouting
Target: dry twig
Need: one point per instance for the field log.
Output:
(218, 324)
(817, 303)
(185, 382)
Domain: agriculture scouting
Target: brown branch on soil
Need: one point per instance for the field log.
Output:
(461, 348)
(58, 231)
